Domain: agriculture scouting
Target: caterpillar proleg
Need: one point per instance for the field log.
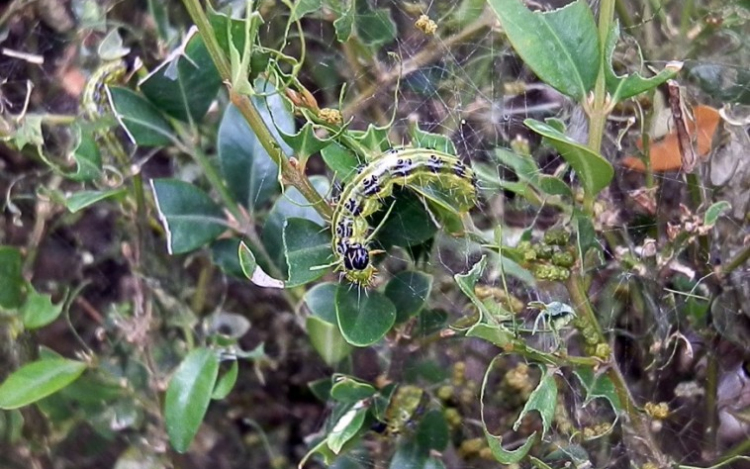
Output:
(365, 194)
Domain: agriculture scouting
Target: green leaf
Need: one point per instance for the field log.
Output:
(305, 142)
(408, 290)
(585, 233)
(433, 432)
(504, 456)
(185, 85)
(348, 389)
(305, 7)
(543, 399)
(594, 171)
(624, 87)
(188, 396)
(327, 340)
(715, 211)
(83, 199)
(38, 380)
(190, 218)
(409, 455)
(143, 122)
(409, 223)
(320, 300)
(364, 317)
(374, 27)
(253, 271)
(341, 161)
(495, 442)
(598, 385)
(346, 427)
(560, 46)
(249, 171)
(12, 284)
(224, 254)
(439, 142)
(492, 333)
(292, 205)
(38, 310)
(345, 22)
(466, 282)
(322, 326)
(87, 157)
(307, 245)
(226, 382)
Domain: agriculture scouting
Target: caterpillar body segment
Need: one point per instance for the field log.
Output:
(415, 168)
(94, 97)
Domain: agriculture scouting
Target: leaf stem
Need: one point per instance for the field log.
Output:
(290, 174)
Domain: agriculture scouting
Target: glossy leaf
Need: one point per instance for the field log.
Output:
(346, 427)
(320, 300)
(408, 290)
(409, 223)
(543, 399)
(188, 396)
(291, 205)
(143, 122)
(224, 254)
(38, 380)
(185, 85)
(327, 340)
(433, 432)
(87, 157)
(364, 317)
(560, 46)
(83, 199)
(341, 161)
(38, 310)
(249, 171)
(226, 382)
(307, 246)
(348, 389)
(190, 218)
(593, 170)
(12, 284)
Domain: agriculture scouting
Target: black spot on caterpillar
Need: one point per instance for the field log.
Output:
(364, 195)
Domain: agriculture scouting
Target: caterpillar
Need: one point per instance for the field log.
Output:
(95, 103)
(417, 168)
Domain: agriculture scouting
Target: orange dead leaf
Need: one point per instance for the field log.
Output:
(665, 154)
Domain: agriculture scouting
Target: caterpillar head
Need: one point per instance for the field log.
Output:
(357, 266)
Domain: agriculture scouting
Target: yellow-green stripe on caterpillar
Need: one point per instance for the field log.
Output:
(364, 195)
(94, 99)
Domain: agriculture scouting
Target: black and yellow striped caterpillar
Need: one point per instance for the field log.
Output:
(416, 168)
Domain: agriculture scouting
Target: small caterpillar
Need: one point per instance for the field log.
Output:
(95, 103)
(364, 195)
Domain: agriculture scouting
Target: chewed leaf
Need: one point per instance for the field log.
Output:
(252, 270)
(543, 399)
